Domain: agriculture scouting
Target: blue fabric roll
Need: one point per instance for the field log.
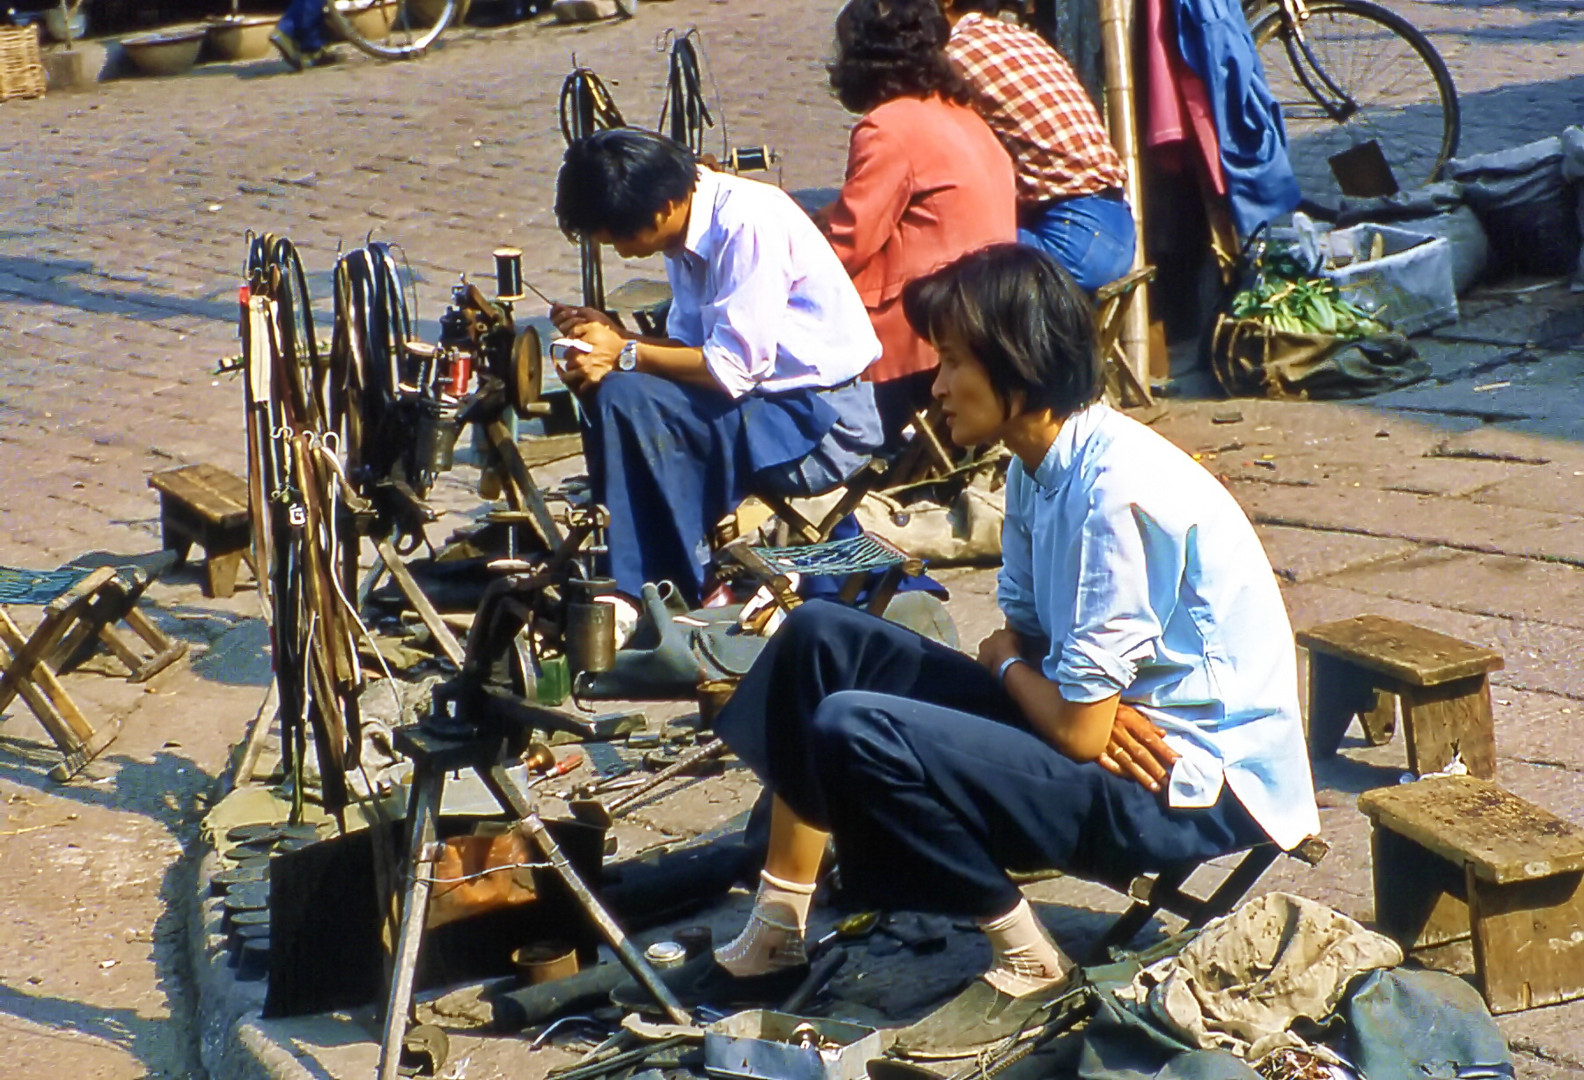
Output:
(1215, 41)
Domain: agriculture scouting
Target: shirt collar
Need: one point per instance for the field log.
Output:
(968, 22)
(700, 240)
(1069, 446)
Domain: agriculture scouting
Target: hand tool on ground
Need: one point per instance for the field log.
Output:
(821, 972)
(595, 812)
(560, 768)
(849, 928)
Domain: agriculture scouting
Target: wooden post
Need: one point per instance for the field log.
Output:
(1116, 33)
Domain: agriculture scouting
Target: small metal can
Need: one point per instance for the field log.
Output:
(665, 954)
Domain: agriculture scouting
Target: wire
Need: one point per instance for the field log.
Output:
(586, 106)
(684, 102)
(487, 873)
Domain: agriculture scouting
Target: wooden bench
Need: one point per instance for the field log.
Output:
(207, 506)
(1458, 857)
(1359, 666)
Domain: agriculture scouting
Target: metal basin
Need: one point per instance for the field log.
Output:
(168, 53)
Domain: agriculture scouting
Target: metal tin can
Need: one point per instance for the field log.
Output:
(665, 954)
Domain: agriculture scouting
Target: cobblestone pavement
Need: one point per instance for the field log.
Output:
(120, 238)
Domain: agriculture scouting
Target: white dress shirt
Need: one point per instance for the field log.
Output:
(1149, 581)
(762, 293)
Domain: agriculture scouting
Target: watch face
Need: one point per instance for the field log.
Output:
(628, 359)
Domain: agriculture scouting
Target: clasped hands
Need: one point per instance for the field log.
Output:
(583, 371)
(1136, 749)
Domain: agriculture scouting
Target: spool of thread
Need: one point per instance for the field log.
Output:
(751, 158)
(508, 273)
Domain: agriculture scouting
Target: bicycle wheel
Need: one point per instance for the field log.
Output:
(1359, 73)
(393, 29)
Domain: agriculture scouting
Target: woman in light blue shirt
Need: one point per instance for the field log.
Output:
(1138, 710)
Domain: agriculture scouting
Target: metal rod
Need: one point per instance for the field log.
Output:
(631, 958)
(425, 812)
(713, 748)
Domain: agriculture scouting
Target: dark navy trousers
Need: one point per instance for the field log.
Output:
(930, 781)
(304, 22)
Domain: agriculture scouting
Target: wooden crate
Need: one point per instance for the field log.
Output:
(21, 66)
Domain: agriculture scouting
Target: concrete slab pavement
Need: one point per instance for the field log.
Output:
(120, 239)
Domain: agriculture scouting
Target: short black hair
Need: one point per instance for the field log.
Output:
(1021, 315)
(984, 7)
(616, 181)
(892, 48)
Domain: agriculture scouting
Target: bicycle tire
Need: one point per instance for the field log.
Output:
(1408, 104)
(393, 29)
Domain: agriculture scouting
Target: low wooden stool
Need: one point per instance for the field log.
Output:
(1456, 857)
(205, 505)
(1357, 666)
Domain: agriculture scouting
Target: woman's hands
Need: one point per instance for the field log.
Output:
(1137, 750)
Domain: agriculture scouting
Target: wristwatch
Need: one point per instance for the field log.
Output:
(627, 359)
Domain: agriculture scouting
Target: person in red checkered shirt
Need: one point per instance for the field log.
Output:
(1069, 177)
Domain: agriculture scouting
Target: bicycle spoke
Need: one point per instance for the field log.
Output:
(1359, 74)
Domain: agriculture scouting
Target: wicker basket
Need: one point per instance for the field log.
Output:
(21, 68)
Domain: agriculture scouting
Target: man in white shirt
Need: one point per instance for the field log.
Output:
(1138, 711)
(756, 387)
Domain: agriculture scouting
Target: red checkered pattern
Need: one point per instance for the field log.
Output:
(1032, 100)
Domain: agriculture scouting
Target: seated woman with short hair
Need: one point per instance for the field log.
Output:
(1138, 710)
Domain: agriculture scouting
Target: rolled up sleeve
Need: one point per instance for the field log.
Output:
(1015, 582)
(741, 323)
(1115, 626)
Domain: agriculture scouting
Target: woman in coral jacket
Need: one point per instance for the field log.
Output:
(927, 181)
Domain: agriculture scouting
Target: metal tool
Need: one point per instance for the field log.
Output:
(560, 768)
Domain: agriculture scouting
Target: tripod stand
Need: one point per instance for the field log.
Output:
(478, 727)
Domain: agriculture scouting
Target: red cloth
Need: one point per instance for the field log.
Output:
(926, 182)
(1178, 124)
(1032, 100)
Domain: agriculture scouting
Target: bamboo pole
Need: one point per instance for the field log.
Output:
(1116, 32)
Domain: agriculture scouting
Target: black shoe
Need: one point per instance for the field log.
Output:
(980, 1016)
(702, 981)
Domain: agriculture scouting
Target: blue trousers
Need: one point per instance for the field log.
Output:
(929, 779)
(304, 23)
(1092, 236)
(668, 460)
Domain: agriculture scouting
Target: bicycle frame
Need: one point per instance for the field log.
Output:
(1332, 98)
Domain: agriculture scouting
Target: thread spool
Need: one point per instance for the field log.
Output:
(508, 273)
(751, 158)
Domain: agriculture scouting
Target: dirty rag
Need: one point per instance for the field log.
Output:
(1243, 981)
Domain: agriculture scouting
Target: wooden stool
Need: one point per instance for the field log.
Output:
(1357, 666)
(1456, 857)
(205, 505)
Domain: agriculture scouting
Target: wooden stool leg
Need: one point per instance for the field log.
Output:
(1447, 720)
(1337, 692)
(221, 573)
(1527, 946)
(173, 537)
(1418, 895)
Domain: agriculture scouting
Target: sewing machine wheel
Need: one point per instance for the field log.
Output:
(527, 370)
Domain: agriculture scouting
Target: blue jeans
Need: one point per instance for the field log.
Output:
(1092, 236)
(304, 23)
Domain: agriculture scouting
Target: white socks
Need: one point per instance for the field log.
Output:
(773, 938)
(1026, 960)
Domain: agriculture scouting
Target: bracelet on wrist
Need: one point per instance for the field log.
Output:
(1006, 665)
